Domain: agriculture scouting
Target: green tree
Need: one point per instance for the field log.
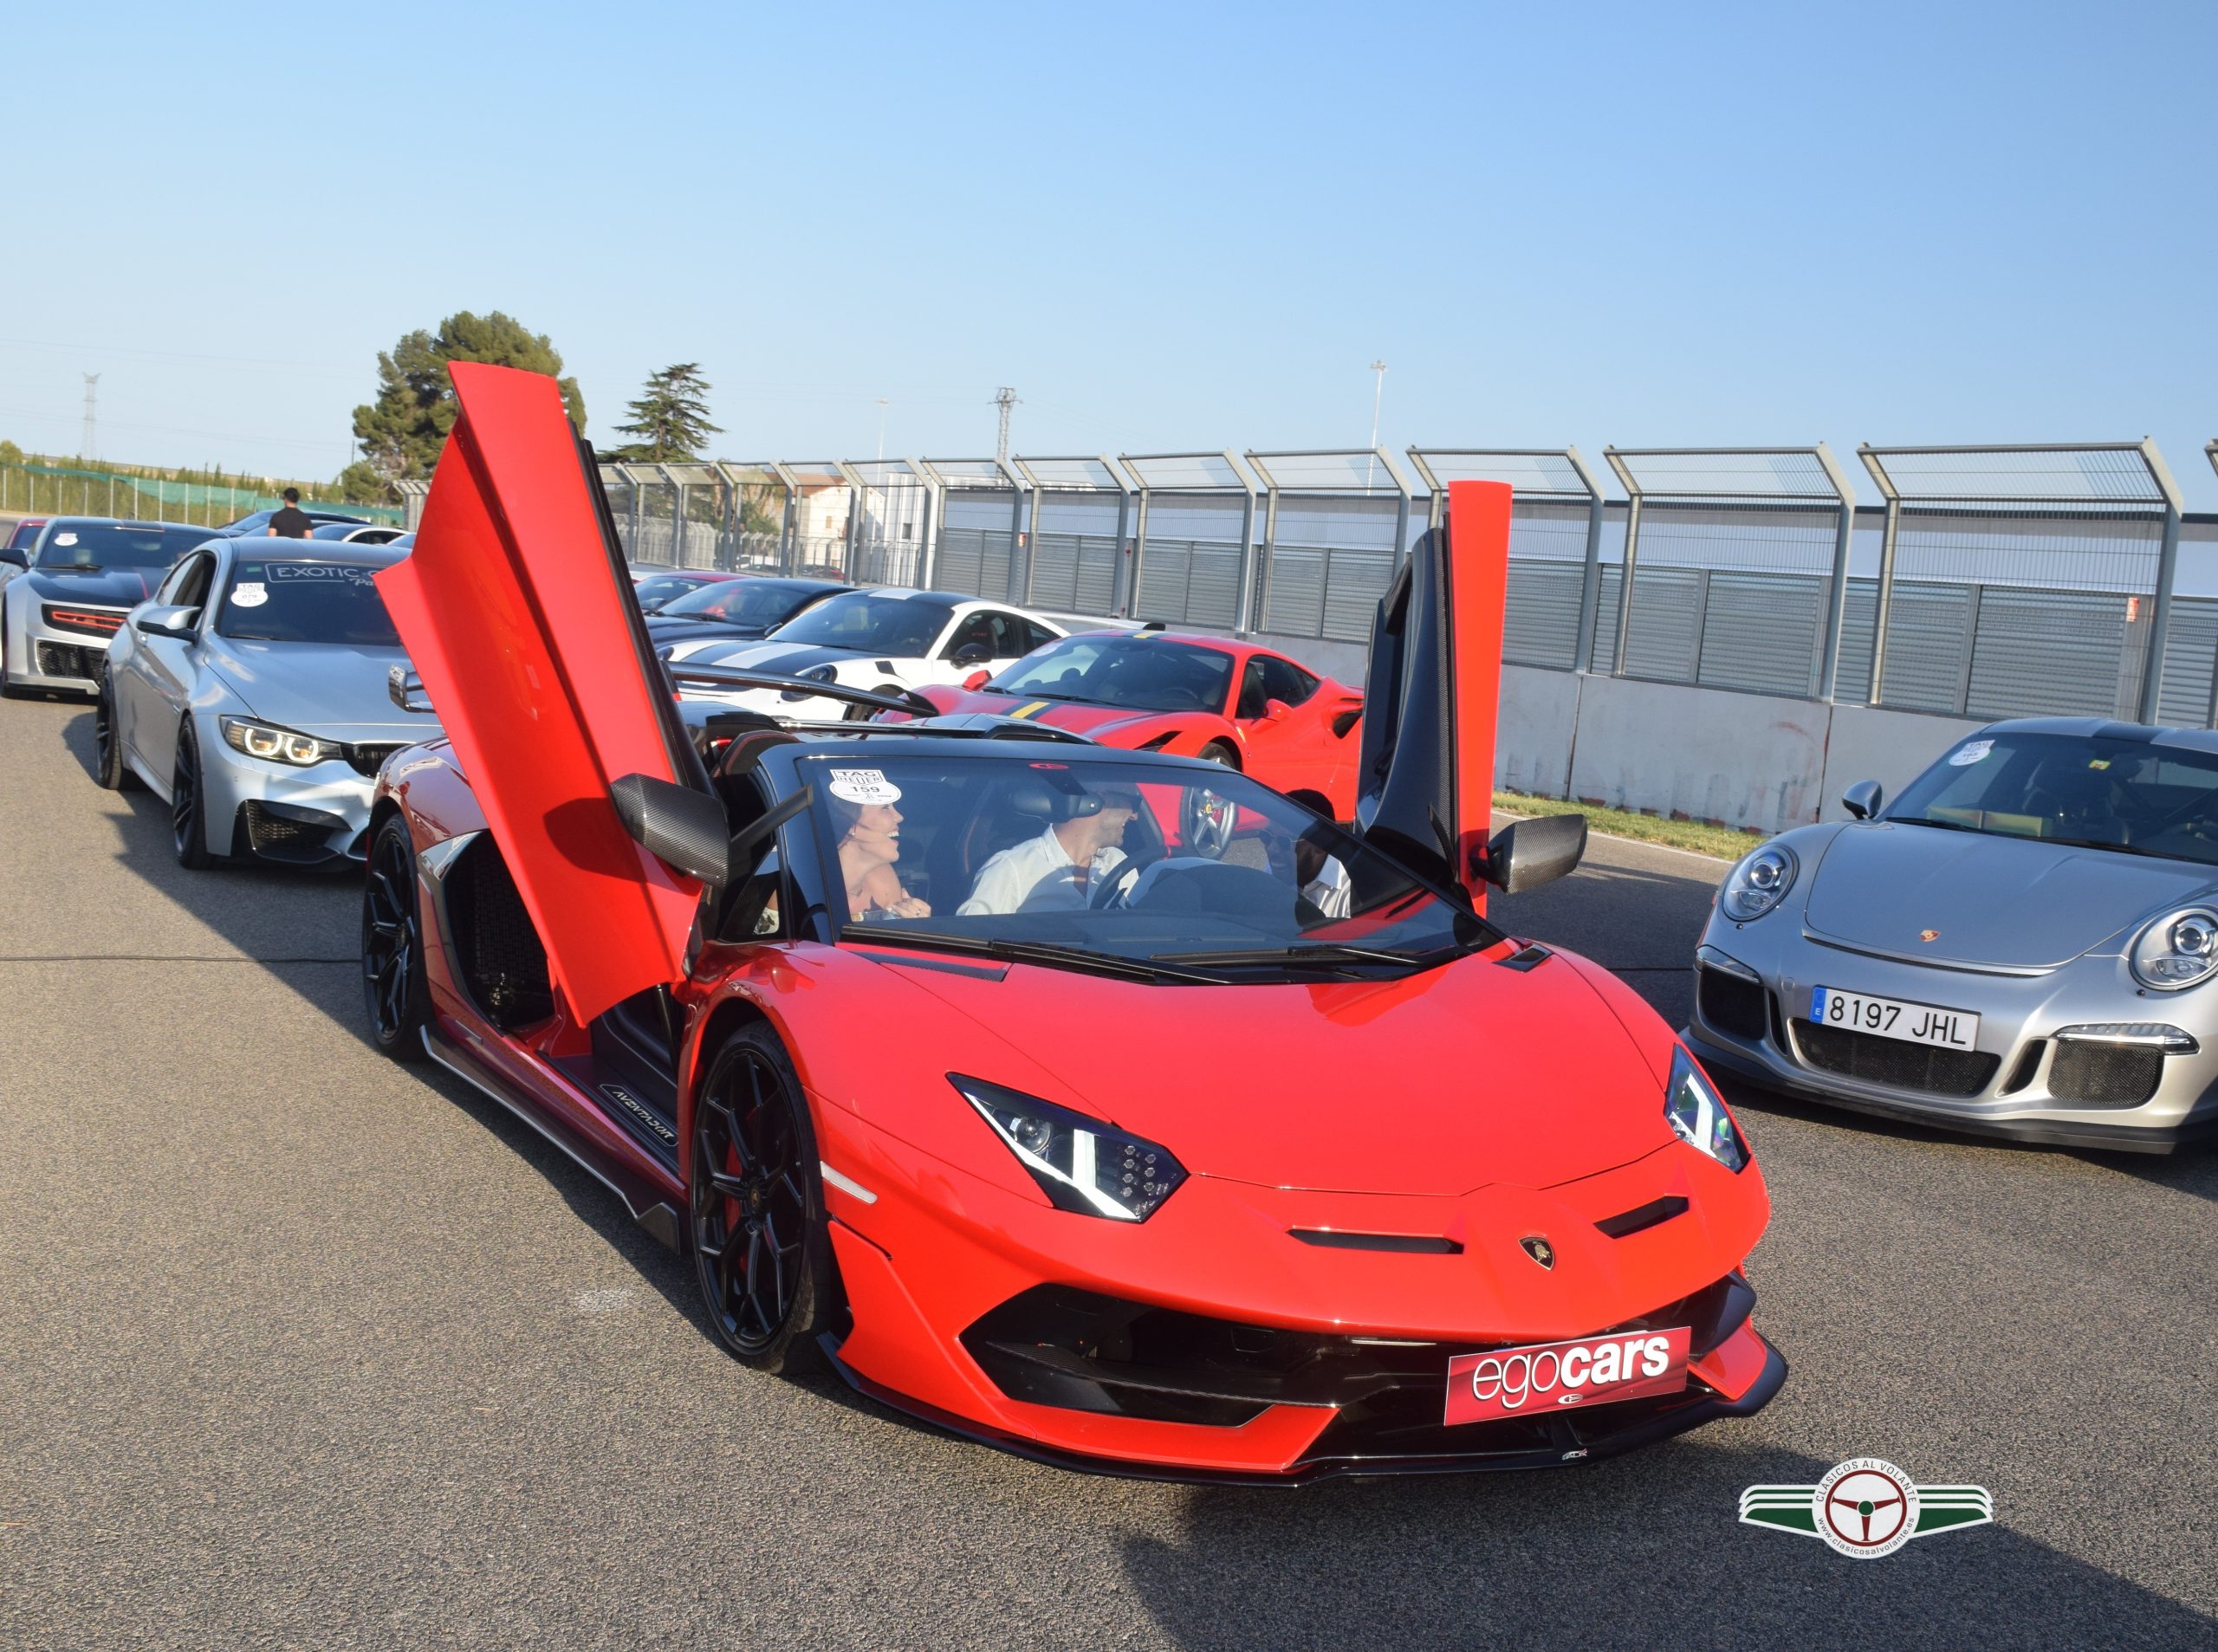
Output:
(671, 417)
(401, 431)
(11, 454)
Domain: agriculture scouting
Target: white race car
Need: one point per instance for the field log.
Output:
(886, 639)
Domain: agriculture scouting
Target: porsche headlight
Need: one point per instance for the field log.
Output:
(276, 745)
(2178, 950)
(1080, 1163)
(1698, 1116)
(1758, 883)
(814, 674)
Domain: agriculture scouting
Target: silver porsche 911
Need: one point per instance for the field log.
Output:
(2021, 944)
(252, 692)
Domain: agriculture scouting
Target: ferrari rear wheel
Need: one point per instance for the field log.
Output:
(188, 822)
(108, 767)
(762, 1245)
(394, 989)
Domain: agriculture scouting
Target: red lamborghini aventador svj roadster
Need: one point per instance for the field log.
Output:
(1102, 1105)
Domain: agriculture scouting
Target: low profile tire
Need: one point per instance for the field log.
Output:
(1204, 833)
(755, 1219)
(108, 767)
(188, 814)
(393, 989)
(1218, 752)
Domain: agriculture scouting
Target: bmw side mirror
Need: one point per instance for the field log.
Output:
(1525, 854)
(973, 654)
(685, 830)
(405, 689)
(174, 622)
(1862, 799)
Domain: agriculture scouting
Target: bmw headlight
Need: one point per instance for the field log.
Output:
(2178, 950)
(276, 745)
(1758, 883)
(1080, 1163)
(814, 674)
(1698, 1116)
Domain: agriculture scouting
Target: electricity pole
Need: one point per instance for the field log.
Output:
(1378, 395)
(89, 443)
(1004, 398)
(881, 427)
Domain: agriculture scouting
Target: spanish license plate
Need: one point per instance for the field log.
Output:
(1951, 1029)
(1545, 1378)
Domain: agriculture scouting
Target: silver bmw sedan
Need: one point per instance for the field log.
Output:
(2022, 944)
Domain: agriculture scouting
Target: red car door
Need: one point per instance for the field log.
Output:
(518, 614)
(1296, 747)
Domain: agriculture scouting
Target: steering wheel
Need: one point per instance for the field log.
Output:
(1110, 891)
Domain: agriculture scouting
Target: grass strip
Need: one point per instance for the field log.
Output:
(1726, 843)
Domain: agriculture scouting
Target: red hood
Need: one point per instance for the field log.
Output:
(1112, 725)
(1433, 1084)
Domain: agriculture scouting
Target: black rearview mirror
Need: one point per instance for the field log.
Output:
(1862, 799)
(685, 830)
(1528, 853)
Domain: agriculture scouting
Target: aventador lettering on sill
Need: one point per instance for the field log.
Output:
(639, 1110)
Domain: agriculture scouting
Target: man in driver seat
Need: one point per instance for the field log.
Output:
(1063, 867)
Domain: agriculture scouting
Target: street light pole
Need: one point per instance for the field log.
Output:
(1378, 395)
(881, 427)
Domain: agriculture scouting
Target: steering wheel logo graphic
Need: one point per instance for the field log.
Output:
(1865, 1508)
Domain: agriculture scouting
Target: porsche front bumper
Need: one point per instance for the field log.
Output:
(2045, 1069)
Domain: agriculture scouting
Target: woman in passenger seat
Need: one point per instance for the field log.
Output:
(870, 842)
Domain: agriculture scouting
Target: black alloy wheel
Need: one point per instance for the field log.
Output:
(393, 946)
(108, 767)
(756, 1209)
(188, 829)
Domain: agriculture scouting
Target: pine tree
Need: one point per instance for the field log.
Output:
(671, 417)
(403, 431)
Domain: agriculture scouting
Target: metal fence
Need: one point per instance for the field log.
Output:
(64, 490)
(1990, 581)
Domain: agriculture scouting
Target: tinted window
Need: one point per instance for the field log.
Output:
(870, 624)
(1145, 671)
(115, 545)
(755, 602)
(2124, 795)
(26, 533)
(276, 601)
(1284, 680)
(665, 587)
(187, 584)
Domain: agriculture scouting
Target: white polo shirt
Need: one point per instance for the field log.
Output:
(1035, 876)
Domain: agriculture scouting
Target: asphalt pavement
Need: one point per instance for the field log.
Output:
(299, 1348)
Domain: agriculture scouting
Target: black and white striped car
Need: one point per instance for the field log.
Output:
(888, 638)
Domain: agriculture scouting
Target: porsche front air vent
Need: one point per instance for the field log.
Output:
(1730, 1004)
(2092, 1074)
(1895, 1063)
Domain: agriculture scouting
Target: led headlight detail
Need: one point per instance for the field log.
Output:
(1758, 883)
(1080, 1163)
(276, 745)
(1698, 1116)
(2178, 950)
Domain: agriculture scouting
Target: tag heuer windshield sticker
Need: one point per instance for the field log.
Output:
(864, 787)
(249, 594)
(65, 539)
(1866, 1508)
(1969, 753)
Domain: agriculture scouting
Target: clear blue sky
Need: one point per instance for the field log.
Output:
(1169, 227)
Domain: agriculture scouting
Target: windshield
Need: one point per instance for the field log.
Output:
(870, 624)
(745, 602)
(306, 602)
(1128, 868)
(116, 545)
(1144, 671)
(2124, 795)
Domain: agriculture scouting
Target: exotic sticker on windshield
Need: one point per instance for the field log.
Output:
(324, 572)
(863, 786)
(249, 594)
(1969, 753)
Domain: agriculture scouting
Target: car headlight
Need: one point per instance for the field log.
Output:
(1080, 1163)
(1698, 1116)
(814, 674)
(2178, 950)
(1758, 883)
(276, 745)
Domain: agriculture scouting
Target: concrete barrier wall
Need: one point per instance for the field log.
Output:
(1745, 760)
(1892, 747)
(1538, 729)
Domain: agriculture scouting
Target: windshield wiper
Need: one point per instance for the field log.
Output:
(2104, 843)
(1041, 952)
(71, 567)
(1945, 826)
(1324, 952)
